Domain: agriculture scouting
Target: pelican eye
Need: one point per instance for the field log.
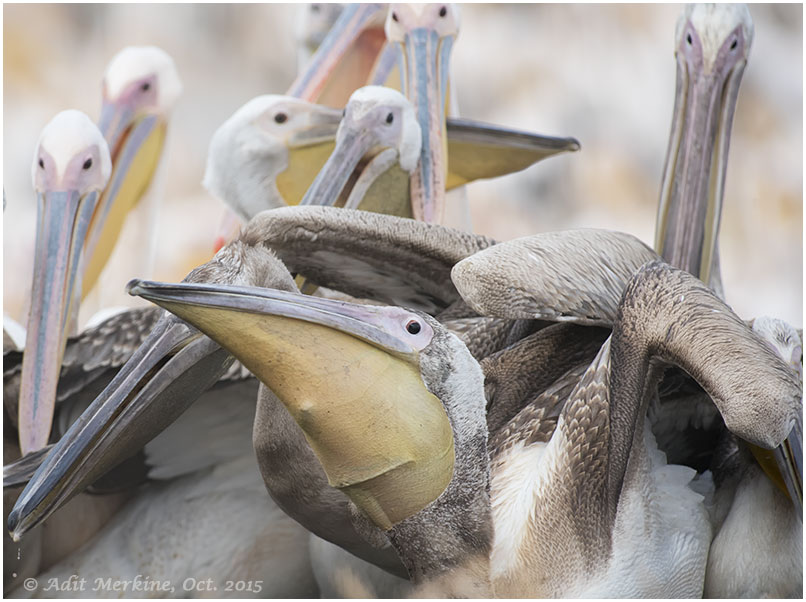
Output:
(87, 164)
(734, 44)
(413, 327)
(390, 118)
(145, 87)
(315, 8)
(688, 39)
(281, 118)
(394, 17)
(41, 163)
(443, 11)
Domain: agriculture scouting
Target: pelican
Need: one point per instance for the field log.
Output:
(712, 47)
(713, 43)
(425, 488)
(140, 86)
(314, 21)
(425, 35)
(71, 167)
(174, 365)
(268, 153)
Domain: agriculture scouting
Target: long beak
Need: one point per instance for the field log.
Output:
(345, 58)
(136, 151)
(172, 367)
(784, 465)
(331, 183)
(479, 150)
(354, 388)
(63, 220)
(425, 62)
(693, 177)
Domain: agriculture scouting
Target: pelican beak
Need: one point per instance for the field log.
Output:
(353, 143)
(354, 388)
(63, 219)
(694, 174)
(424, 67)
(136, 142)
(784, 465)
(172, 367)
(346, 57)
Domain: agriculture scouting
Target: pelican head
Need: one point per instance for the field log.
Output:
(137, 81)
(260, 155)
(425, 34)
(712, 47)
(140, 88)
(379, 126)
(71, 167)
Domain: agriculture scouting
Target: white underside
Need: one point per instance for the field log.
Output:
(660, 538)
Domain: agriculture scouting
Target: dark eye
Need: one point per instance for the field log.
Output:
(145, 87)
(41, 163)
(443, 11)
(87, 164)
(734, 45)
(280, 117)
(315, 8)
(394, 17)
(390, 118)
(688, 39)
(413, 327)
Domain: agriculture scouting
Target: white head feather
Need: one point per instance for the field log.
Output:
(136, 62)
(66, 135)
(368, 98)
(713, 23)
(250, 149)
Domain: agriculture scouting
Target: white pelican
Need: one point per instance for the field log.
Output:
(140, 88)
(268, 153)
(70, 169)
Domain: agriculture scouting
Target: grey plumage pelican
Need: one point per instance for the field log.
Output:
(426, 487)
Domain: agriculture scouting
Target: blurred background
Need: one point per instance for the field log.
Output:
(604, 74)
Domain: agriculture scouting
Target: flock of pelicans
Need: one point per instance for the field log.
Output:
(432, 413)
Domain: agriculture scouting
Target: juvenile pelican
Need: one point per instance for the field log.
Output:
(713, 43)
(426, 487)
(71, 167)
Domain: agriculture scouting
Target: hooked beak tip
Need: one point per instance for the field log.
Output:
(134, 287)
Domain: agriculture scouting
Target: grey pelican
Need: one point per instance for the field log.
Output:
(425, 488)
(268, 153)
(148, 387)
(713, 45)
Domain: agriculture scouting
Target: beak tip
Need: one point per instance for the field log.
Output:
(135, 288)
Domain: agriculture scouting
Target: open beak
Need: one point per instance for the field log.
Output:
(346, 57)
(354, 388)
(136, 143)
(169, 371)
(424, 67)
(694, 174)
(331, 183)
(63, 219)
